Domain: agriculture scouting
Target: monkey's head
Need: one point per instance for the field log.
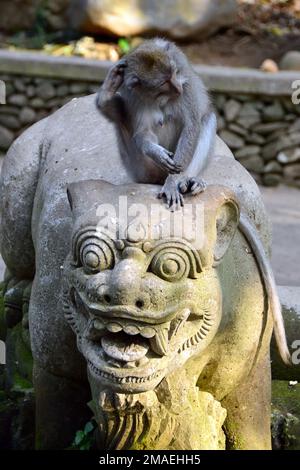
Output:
(154, 68)
(141, 289)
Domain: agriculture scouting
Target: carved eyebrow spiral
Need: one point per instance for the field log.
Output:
(92, 241)
(178, 246)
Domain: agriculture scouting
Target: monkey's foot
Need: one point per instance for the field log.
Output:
(191, 185)
(171, 192)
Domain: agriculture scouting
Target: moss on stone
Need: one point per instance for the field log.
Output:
(2, 320)
(285, 415)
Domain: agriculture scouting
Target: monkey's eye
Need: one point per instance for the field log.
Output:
(171, 266)
(96, 255)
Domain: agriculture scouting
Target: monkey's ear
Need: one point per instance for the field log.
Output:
(226, 224)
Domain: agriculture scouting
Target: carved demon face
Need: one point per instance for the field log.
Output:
(140, 307)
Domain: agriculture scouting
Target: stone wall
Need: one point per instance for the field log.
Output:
(256, 116)
(264, 135)
(29, 99)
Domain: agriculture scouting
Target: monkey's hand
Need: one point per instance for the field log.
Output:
(171, 192)
(164, 159)
(191, 185)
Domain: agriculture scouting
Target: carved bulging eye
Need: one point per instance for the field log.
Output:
(171, 266)
(96, 256)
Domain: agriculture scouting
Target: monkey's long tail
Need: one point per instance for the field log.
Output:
(266, 271)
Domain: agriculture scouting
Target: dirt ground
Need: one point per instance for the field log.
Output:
(264, 29)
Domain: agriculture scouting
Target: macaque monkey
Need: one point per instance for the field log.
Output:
(166, 129)
(163, 117)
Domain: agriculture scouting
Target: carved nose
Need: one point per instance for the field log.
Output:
(124, 287)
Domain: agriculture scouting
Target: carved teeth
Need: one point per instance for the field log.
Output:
(114, 327)
(148, 332)
(98, 325)
(131, 329)
(160, 343)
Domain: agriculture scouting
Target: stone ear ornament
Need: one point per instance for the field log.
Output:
(227, 221)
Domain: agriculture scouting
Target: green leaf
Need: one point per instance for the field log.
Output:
(124, 45)
(79, 437)
(88, 427)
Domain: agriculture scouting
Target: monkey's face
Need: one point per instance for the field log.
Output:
(142, 306)
(153, 74)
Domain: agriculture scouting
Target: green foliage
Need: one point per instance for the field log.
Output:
(39, 35)
(124, 45)
(285, 415)
(84, 439)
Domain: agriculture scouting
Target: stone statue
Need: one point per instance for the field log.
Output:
(172, 333)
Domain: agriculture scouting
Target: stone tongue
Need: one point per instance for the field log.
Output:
(124, 348)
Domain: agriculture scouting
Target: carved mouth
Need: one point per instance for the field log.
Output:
(127, 351)
(130, 341)
(124, 352)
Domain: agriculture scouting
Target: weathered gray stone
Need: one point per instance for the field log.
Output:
(289, 156)
(27, 115)
(45, 91)
(288, 104)
(238, 129)
(17, 100)
(253, 163)
(292, 171)
(231, 139)
(37, 103)
(249, 109)
(270, 127)
(295, 127)
(273, 167)
(248, 121)
(9, 121)
(271, 179)
(19, 85)
(231, 109)
(6, 138)
(290, 61)
(128, 17)
(9, 110)
(274, 112)
(276, 135)
(247, 151)
(53, 102)
(78, 88)
(220, 101)
(255, 139)
(93, 88)
(30, 91)
(9, 88)
(62, 90)
(271, 150)
(290, 117)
